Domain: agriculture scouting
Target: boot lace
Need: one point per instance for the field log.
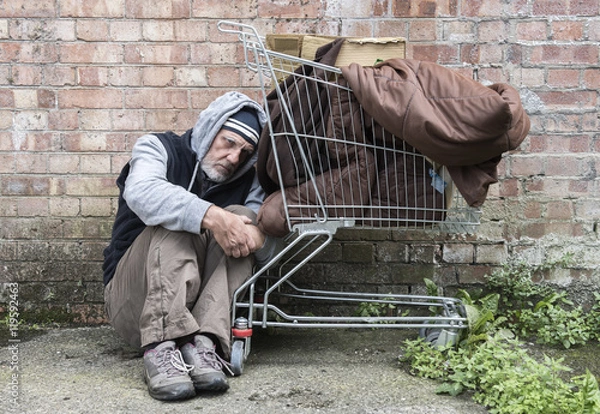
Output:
(212, 360)
(170, 361)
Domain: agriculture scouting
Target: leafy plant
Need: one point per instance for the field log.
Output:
(552, 324)
(375, 309)
(492, 363)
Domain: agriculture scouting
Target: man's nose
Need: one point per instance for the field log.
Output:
(234, 156)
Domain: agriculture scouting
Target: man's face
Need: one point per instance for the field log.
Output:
(227, 152)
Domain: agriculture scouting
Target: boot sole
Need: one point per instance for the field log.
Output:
(215, 386)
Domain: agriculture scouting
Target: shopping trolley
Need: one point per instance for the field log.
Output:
(332, 172)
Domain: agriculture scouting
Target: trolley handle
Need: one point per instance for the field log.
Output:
(243, 31)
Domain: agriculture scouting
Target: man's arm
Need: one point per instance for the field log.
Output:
(155, 200)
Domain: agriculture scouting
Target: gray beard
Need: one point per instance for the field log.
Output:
(212, 174)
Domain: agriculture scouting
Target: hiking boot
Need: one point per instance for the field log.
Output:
(166, 374)
(207, 374)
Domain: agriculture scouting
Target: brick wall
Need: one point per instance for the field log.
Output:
(81, 80)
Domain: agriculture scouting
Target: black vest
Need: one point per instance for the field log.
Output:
(180, 168)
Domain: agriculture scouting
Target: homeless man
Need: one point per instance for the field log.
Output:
(183, 240)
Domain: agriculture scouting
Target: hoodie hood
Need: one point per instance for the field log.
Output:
(211, 120)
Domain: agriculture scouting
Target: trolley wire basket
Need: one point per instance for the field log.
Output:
(328, 164)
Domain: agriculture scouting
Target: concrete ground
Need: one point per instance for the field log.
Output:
(90, 370)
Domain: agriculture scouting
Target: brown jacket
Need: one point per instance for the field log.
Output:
(454, 120)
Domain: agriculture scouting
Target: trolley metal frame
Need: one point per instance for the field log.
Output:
(255, 302)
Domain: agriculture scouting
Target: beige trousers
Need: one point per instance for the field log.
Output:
(172, 284)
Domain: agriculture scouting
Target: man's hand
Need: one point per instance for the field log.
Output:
(235, 234)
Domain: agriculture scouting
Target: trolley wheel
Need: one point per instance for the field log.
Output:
(430, 335)
(238, 357)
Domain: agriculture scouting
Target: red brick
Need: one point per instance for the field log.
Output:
(223, 76)
(125, 76)
(178, 121)
(157, 76)
(563, 78)
(579, 99)
(118, 162)
(90, 98)
(9, 51)
(526, 166)
(579, 186)
(532, 230)
(94, 120)
(91, 8)
(591, 78)
(32, 207)
(126, 120)
(594, 30)
(458, 253)
(517, 8)
(567, 30)
(493, 31)
(28, 8)
(509, 188)
(226, 10)
(25, 185)
(32, 163)
(442, 54)
(296, 9)
(482, 8)
(79, 141)
(166, 9)
(357, 28)
(401, 8)
(86, 185)
(46, 98)
(533, 209)
(582, 143)
(549, 7)
(534, 184)
(7, 99)
(563, 123)
(92, 30)
(58, 75)
(470, 53)
(88, 53)
(380, 8)
(27, 75)
(590, 122)
(423, 8)
(190, 30)
(564, 54)
(534, 30)
(6, 120)
(8, 208)
(63, 120)
(121, 141)
(584, 7)
(559, 210)
(422, 30)
(158, 31)
(125, 31)
(63, 164)
(64, 207)
(7, 163)
(201, 98)
(158, 54)
(562, 166)
(219, 53)
(191, 77)
(92, 76)
(156, 98)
